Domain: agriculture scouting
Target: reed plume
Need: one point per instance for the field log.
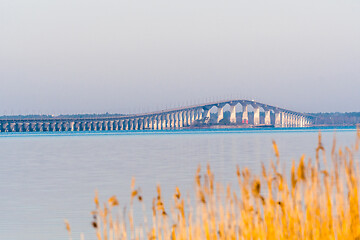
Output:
(319, 199)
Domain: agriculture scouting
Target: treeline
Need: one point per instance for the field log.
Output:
(346, 119)
(43, 116)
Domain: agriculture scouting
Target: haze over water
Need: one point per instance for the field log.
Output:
(47, 177)
(119, 56)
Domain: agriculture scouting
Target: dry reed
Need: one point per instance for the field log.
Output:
(318, 200)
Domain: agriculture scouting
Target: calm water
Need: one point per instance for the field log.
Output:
(45, 178)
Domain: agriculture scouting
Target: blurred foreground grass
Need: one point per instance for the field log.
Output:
(317, 199)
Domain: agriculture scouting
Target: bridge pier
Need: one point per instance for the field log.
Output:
(146, 123)
(163, 122)
(110, 125)
(46, 127)
(125, 124)
(245, 115)
(180, 119)
(185, 119)
(52, 127)
(292, 120)
(220, 114)
(105, 125)
(100, 125)
(188, 117)
(39, 126)
(288, 117)
(116, 125)
(196, 114)
(33, 126)
(131, 124)
(121, 124)
(20, 126)
(297, 121)
(5, 126)
(206, 115)
(154, 123)
(137, 123)
(141, 124)
(77, 126)
(16, 127)
(94, 126)
(71, 126)
(134, 124)
(82, 126)
(168, 121)
(277, 119)
(256, 115)
(283, 124)
(159, 121)
(176, 120)
(267, 120)
(150, 123)
(172, 120)
(192, 116)
(12, 127)
(26, 127)
(233, 113)
(199, 114)
(65, 126)
(287, 120)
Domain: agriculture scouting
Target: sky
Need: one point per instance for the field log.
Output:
(126, 56)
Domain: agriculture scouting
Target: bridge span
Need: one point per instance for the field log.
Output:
(176, 118)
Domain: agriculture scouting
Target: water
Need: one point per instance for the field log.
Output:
(45, 178)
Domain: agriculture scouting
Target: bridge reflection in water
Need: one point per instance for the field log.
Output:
(168, 119)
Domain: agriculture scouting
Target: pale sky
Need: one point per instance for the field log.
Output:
(87, 56)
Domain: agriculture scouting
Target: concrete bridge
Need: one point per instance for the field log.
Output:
(168, 119)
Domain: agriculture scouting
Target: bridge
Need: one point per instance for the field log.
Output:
(176, 118)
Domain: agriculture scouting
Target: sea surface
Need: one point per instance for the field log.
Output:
(48, 177)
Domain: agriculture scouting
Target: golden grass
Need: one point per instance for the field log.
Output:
(319, 199)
